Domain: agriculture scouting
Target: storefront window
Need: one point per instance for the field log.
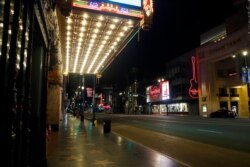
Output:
(178, 107)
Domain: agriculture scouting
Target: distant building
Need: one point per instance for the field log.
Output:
(223, 66)
(177, 91)
(181, 74)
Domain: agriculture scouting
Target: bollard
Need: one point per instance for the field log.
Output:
(106, 126)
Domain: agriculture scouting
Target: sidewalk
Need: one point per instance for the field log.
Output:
(79, 144)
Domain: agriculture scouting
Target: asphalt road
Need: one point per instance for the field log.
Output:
(192, 140)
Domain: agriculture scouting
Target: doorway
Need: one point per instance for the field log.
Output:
(234, 106)
(223, 105)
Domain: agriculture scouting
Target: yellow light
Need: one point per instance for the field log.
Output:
(99, 24)
(85, 16)
(112, 26)
(244, 53)
(118, 39)
(125, 28)
(121, 34)
(101, 18)
(109, 32)
(82, 29)
(84, 22)
(69, 20)
(81, 34)
(116, 20)
(106, 37)
(68, 27)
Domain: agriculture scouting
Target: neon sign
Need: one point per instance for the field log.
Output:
(193, 89)
(155, 91)
(136, 3)
(158, 92)
(107, 7)
(148, 7)
(165, 90)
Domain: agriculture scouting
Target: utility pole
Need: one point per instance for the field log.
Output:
(93, 101)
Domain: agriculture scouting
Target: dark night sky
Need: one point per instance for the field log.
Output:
(176, 29)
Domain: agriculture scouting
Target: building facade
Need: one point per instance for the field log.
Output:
(183, 86)
(28, 44)
(223, 72)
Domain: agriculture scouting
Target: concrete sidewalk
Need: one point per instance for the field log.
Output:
(79, 144)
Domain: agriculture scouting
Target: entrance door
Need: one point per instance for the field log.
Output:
(234, 106)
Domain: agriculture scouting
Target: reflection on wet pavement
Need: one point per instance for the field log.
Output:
(79, 144)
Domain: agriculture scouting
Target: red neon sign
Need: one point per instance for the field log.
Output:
(193, 89)
(148, 7)
(158, 92)
(155, 91)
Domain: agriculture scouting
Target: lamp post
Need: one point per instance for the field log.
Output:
(93, 101)
(145, 97)
(82, 100)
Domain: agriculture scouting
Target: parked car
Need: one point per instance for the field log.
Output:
(223, 113)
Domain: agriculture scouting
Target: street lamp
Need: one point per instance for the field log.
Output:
(160, 80)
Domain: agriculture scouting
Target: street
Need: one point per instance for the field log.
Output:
(192, 140)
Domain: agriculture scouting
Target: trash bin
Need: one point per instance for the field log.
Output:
(106, 126)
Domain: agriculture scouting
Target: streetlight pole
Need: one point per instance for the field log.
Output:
(82, 99)
(136, 95)
(93, 101)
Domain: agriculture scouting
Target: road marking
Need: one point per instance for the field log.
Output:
(211, 131)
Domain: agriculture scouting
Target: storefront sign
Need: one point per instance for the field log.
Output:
(158, 92)
(245, 75)
(155, 92)
(178, 107)
(89, 92)
(165, 90)
(136, 3)
(110, 7)
(148, 11)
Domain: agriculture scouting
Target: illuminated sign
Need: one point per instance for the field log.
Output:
(128, 2)
(158, 92)
(245, 75)
(193, 89)
(148, 11)
(165, 90)
(148, 7)
(155, 92)
(89, 92)
(103, 6)
(178, 107)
